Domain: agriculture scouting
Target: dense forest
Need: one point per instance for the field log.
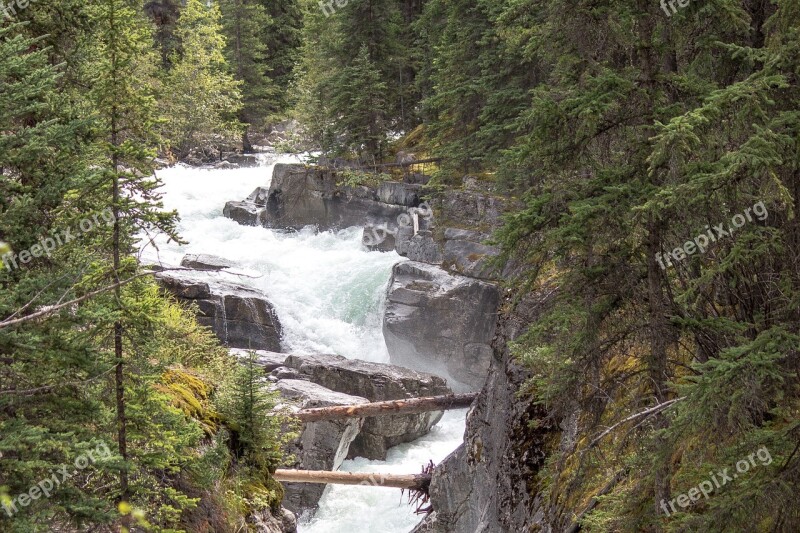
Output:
(651, 153)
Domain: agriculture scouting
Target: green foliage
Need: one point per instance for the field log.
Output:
(644, 133)
(244, 401)
(350, 95)
(201, 99)
(263, 37)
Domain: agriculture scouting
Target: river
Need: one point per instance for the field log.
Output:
(328, 292)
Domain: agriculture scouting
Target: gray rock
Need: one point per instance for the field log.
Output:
(245, 213)
(269, 361)
(240, 316)
(440, 323)
(242, 160)
(283, 372)
(468, 209)
(205, 262)
(470, 259)
(489, 483)
(392, 192)
(321, 445)
(259, 197)
(424, 248)
(301, 196)
(265, 522)
(376, 382)
(379, 237)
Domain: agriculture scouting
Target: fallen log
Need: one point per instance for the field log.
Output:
(391, 407)
(415, 482)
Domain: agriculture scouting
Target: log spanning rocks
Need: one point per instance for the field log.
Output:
(324, 381)
(240, 316)
(322, 445)
(419, 482)
(392, 407)
(301, 196)
(376, 382)
(440, 322)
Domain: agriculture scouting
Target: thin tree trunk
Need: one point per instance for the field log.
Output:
(411, 482)
(122, 438)
(392, 407)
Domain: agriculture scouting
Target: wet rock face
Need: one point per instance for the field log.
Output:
(245, 213)
(321, 445)
(440, 322)
(241, 317)
(205, 262)
(488, 484)
(465, 254)
(300, 196)
(376, 382)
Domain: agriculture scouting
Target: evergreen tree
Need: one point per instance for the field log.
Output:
(246, 23)
(358, 49)
(201, 98)
(245, 404)
(282, 41)
(637, 141)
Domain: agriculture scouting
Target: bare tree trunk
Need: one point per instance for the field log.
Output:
(392, 407)
(412, 482)
(122, 438)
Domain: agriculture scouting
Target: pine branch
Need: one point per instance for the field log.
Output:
(646, 413)
(50, 310)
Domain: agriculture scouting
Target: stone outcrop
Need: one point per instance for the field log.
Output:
(269, 361)
(240, 316)
(488, 484)
(375, 382)
(441, 323)
(300, 196)
(266, 522)
(205, 262)
(321, 445)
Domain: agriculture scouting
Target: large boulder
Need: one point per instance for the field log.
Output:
(245, 213)
(465, 253)
(264, 521)
(321, 445)
(440, 323)
(205, 262)
(376, 382)
(301, 196)
(269, 361)
(240, 316)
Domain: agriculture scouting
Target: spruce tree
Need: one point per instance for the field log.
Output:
(201, 99)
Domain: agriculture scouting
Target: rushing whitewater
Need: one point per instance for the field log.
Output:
(328, 292)
(326, 288)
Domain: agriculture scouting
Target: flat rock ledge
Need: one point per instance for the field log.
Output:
(376, 382)
(240, 316)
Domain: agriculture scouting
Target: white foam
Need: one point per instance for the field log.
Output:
(329, 293)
